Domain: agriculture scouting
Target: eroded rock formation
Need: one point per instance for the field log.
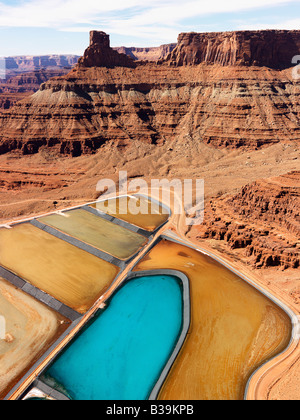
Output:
(20, 86)
(270, 48)
(263, 220)
(111, 97)
(147, 54)
(22, 64)
(100, 54)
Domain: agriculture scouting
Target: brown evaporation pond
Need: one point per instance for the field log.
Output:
(127, 209)
(30, 330)
(100, 233)
(234, 328)
(72, 276)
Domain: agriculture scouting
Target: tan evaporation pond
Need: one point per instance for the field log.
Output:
(127, 208)
(72, 276)
(30, 329)
(100, 233)
(234, 328)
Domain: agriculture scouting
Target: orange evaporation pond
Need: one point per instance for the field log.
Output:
(74, 277)
(30, 330)
(139, 211)
(98, 232)
(234, 328)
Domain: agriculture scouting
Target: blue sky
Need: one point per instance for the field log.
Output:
(35, 27)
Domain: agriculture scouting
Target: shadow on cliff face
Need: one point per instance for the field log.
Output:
(213, 86)
(274, 49)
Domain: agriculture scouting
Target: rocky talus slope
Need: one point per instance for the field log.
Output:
(108, 96)
(263, 220)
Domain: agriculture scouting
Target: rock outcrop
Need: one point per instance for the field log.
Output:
(111, 97)
(271, 48)
(22, 85)
(263, 220)
(147, 54)
(100, 54)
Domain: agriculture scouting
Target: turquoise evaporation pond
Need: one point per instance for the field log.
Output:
(122, 353)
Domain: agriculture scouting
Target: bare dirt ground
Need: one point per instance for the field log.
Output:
(41, 183)
(34, 184)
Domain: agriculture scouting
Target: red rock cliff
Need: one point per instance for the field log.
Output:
(270, 48)
(110, 97)
(263, 219)
(100, 54)
(148, 53)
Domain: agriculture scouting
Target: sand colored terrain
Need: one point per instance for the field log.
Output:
(221, 106)
(234, 328)
(31, 328)
(74, 277)
(44, 182)
(36, 184)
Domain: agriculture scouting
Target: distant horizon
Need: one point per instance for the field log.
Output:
(61, 27)
(152, 46)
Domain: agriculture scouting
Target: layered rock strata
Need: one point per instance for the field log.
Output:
(270, 48)
(22, 64)
(147, 54)
(111, 97)
(263, 220)
(100, 54)
(22, 85)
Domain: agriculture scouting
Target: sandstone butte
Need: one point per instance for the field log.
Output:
(230, 89)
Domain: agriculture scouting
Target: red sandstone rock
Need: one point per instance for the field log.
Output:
(147, 54)
(263, 219)
(100, 54)
(20, 86)
(111, 97)
(270, 48)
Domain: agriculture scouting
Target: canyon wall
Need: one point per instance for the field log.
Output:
(25, 74)
(147, 54)
(111, 97)
(270, 48)
(20, 86)
(29, 63)
(263, 220)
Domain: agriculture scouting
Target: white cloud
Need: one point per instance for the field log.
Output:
(145, 19)
(62, 14)
(57, 13)
(285, 24)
